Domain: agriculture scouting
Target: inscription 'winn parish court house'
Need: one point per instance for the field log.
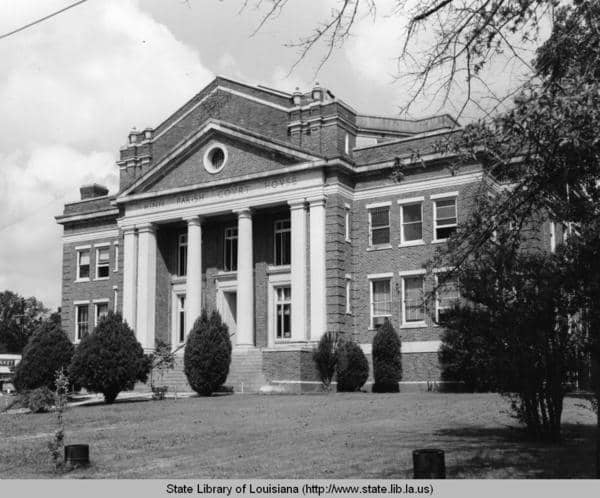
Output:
(279, 211)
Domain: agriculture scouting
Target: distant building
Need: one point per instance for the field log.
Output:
(8, 363)
(279, 211)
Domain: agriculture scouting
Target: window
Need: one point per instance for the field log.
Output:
(347, 221)
(231, 249)
(347, 143)
(413, 302)
(381, 301)
(283, 312)
(283, 249)
(444, 218)
(101, 310)
(379, 226)
(348, 295)
(116, 257)
(446, 296)
(181, 331)
(83, 264)
(102, 262)
(81, 321)
(215, 159)
(411, 220)
(182, 255)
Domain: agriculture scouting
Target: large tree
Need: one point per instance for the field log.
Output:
(19, 318)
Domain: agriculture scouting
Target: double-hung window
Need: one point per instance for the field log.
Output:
(102, 262)
(100, 311)
(381, 300)
(347, 222)
(81, 321)
(379, 226)
(83, 264)
(446, 296)
(182, 255)
(413, 300)
(445, 218)
(283, 248)
(231, 249)
(411, 223)
(283, 312)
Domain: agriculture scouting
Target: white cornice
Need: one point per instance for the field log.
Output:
(61, 219)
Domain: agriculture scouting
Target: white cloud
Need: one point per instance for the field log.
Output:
(70, 89)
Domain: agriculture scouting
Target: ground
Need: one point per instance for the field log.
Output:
(353, 435)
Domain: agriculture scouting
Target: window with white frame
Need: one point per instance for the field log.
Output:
(411, 223)
(348, 295)
(102, 262)
(81, 321)
(116, 257)
(413, 302)
(283, 312)
(347, 221)
(381, 300)
(180, 318)
(283, 247)
(379, 225)
(83, 264)
(447, 295)
(231, 249)
(182, 255)
(347, 143)
(100, 311)
(445, 218)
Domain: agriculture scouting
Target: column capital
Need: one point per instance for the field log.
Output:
(194, 220)
(245, 212)
(317, 200)
(297, 204)
(146, 228)
(128, 230)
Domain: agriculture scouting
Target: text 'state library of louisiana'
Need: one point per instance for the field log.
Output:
(278, 210)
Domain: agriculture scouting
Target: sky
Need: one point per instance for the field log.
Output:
(73, 86)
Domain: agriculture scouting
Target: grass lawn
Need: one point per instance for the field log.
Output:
(310, 436)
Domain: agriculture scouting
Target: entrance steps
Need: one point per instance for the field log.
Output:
(245, 373)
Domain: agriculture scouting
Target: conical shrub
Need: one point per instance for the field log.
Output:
(387, 360)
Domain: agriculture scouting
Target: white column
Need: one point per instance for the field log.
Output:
(129, 276)
(193, 298)
(318, 294)
(298, 269)
(146, 303)
(245, 280)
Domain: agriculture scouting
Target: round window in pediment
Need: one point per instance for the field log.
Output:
(215, 158)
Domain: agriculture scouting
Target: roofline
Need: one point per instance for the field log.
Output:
(417, 136)
(61, 219)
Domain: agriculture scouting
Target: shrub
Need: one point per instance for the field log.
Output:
(325, 357)
(38, 400)
(110, 359)
(352, 367)
(387, 360)
(47, 351)
(207, 354)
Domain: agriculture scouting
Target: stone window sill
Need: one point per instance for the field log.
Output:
(414, 325)
(379, 248)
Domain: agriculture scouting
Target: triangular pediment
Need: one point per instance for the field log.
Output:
(218, 152)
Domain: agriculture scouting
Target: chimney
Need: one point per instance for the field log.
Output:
(317, 92)
(92, 191)
(297, 97)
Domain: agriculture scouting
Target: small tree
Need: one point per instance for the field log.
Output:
(207, 354)
(47, 351)
(387, 360)
(110, 359)
(352, 367)
(325, 357)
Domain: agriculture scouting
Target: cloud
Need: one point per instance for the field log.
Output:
(70, 89)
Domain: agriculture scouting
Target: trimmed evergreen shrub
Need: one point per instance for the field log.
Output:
(207, 354)
(387, 360)
(110, 359)
(352, 367)
(47, 351)
(325, 357)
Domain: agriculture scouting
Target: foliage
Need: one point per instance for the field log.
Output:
(325, 357)
(387, 359)
(48, 350)
(162, 359)
(352, 367)
(38, 400)
(19, 318)
(110, 359)
(207, 354)
(56, 445)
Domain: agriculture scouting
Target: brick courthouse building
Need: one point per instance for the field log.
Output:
(278, 210)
